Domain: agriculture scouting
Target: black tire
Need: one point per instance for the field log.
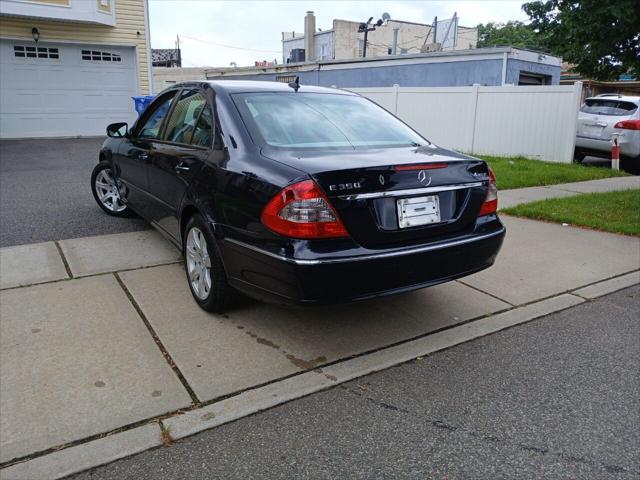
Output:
(630, 165)
(112, 205)
(578, 156)
(219, 294)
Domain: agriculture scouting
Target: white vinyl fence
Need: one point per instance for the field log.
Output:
(535, 122)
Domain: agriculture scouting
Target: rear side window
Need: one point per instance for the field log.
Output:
(186, 125)
(153, 122)
(599, 106)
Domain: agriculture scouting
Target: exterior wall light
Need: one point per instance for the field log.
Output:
(35, 33)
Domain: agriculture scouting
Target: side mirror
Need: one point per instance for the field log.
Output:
(117, 130)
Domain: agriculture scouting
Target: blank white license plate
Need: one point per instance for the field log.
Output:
(416, 211)
(592, 130)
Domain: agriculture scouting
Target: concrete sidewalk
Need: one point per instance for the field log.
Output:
(103, 352)
(510, 198)
(538, 401)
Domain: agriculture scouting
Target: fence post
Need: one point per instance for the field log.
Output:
(571, 128)
(474, 112)
(396, 91)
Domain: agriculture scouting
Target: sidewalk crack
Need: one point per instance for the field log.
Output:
(156, 338)
(486, 293)
(64, 259)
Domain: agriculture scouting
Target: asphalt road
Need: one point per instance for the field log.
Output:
(558, 397)
(45, 193)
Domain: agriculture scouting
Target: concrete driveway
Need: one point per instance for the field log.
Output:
(104, 354)
(45, 192)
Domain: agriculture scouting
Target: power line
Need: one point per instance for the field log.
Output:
(228, 46)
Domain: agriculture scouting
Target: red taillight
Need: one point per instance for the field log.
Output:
(420, 166)
(490, 204)
(628, 125)
(302, 210)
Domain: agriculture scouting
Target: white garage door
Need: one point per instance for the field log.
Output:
(64, 90)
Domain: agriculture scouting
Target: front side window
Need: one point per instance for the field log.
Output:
(603, 106)
(300, 120)
(183, 121)
(153, 122)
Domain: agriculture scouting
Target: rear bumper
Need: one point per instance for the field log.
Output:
(281, 279)
(629, 145)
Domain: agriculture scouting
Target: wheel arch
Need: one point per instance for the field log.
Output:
(188, 211)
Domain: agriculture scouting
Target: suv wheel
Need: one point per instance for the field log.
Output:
(205, 273)
(578, 156)
(106, 192)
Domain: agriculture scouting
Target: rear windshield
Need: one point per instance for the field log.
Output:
(608, 107)
(307, 120)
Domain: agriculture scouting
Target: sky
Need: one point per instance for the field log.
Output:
(208, 29)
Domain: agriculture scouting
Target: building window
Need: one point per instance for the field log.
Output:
(324, 52)
(22, 51)
(527, 78)
(285, 78)
(96, 56)
(360, 47)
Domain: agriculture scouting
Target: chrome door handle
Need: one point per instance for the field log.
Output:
(181, 167)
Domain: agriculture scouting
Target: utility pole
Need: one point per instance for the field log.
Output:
(364, 27)
(178, 50)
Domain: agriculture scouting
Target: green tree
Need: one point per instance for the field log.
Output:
(512, 34)
(601, 37)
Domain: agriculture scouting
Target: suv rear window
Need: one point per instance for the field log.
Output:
(608, 107)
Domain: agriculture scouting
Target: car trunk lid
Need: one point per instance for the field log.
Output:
(384, 195)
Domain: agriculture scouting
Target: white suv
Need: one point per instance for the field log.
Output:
(603, 115)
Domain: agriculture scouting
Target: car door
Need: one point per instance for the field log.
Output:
(134, 156)
(186, 144)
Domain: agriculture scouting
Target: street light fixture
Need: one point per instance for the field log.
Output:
(365, 28)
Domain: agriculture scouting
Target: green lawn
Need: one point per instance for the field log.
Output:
(519, 172)
(617, 212)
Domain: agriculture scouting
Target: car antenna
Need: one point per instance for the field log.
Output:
(295, 84)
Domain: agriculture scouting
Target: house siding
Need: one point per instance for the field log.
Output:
(130, 19)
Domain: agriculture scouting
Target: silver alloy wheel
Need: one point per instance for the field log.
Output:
(198, 263)
(107, 191)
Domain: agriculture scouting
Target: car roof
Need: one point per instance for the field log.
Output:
(615, 96)
(245, 86)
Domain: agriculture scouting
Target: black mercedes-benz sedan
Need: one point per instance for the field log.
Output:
(298, 194)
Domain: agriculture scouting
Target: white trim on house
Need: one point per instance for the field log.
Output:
(76, 42)
(77, 11)
(147, 32)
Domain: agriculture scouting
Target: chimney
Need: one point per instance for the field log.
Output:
(309, 37)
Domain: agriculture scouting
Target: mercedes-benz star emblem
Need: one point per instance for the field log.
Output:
(423, 178)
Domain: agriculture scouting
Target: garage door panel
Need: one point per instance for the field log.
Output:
(67, 96)
(22, 77)
(105, 102)
(38, 126)
(118, 80)
(56, 125)
(26, 102)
